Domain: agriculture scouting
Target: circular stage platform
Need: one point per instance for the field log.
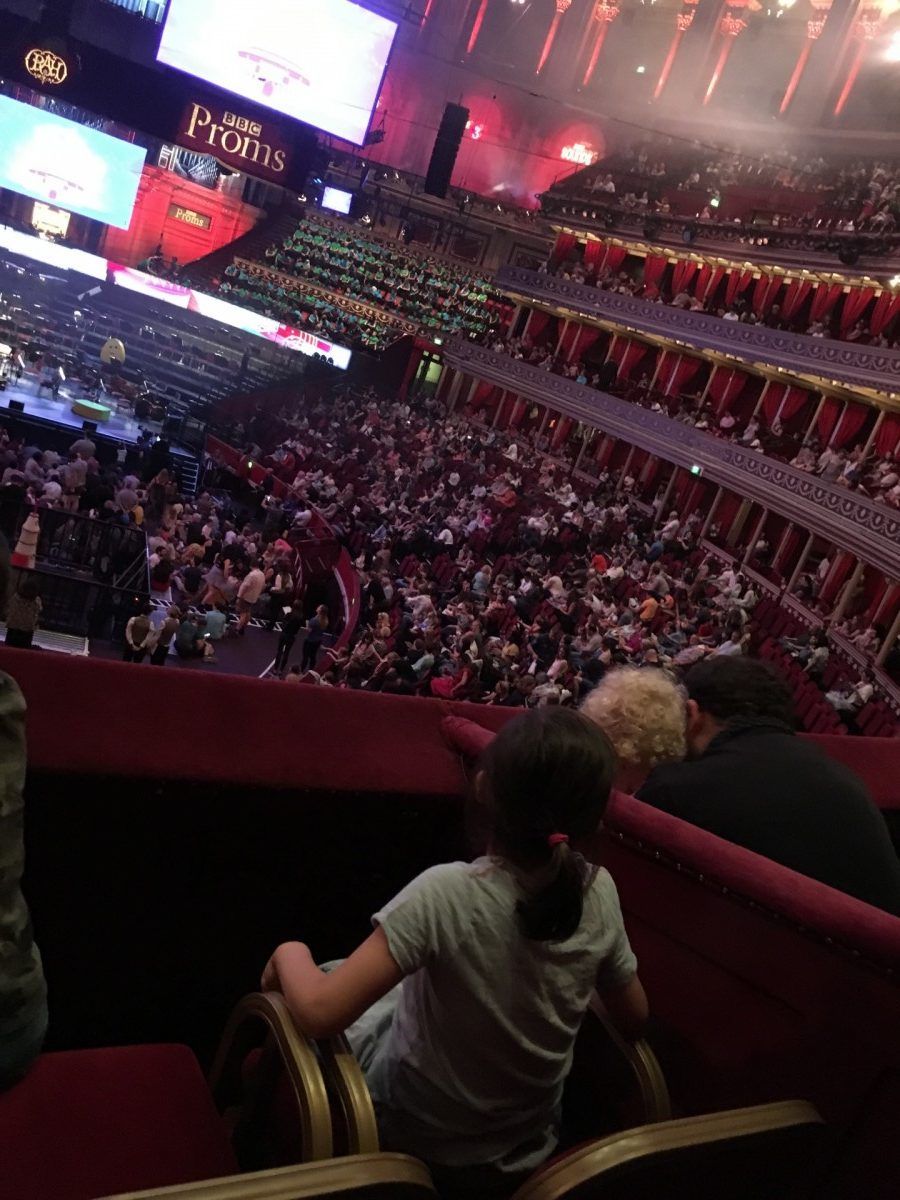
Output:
(91, 410)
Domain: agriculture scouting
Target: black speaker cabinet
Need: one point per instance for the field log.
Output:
(446, 148)
(17, 406)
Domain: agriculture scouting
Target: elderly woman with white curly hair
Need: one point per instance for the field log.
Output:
(642, 712)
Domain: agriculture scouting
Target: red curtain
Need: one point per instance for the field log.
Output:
(536, 324)
(615, 256)
(824, 300)
(654, 269)
(794, 400)
(725, 385)
(726, 511)
(674, 377)
(562, 431)
(786, 558)
(707, 280)
(772, 401)
(594, 254)
(684, 272)
(827, 418)
(738, 282)
(518, 412)
(887, 438)
(856, 302)
(837, 576)
(587, 337)
(794, 297)
(851, 422)
(629, 356)
(887, 306)
(767, 288)
(569, 338)
(484, 396)
(565, 244)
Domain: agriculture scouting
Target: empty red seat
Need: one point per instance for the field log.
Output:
(121, 1119)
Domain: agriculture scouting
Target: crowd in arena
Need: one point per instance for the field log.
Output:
(432, 294)
(640, 175)
(524, 592)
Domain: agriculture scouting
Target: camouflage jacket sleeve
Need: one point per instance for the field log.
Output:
(21, 977)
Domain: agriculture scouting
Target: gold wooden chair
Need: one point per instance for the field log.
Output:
(283, 1091)
(770, 1152)
(361, 1177)
(354, 1128)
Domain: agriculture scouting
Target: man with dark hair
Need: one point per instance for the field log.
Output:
(750, 780)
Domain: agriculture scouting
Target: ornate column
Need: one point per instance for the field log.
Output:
(605, 12)
(865, 29)
(814, 27)
(731, 26)
(562, 7)
(683, 21)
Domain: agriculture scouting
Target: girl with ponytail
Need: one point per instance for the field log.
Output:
(464, 1004)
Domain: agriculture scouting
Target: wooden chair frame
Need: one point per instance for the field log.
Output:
(333, 1177)
(591, 1161)
(285, 1045)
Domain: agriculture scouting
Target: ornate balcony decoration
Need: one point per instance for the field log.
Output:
(868, 24)
(606, 10)
(846, 363)
(866, 527)
(816, 23)
(732, 24)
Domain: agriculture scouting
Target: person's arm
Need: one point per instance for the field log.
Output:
(627, 1008)
(324, 1004)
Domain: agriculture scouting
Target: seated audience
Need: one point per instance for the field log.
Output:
(751, 781)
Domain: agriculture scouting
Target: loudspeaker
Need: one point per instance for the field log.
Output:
(89, 426)
(17, 406)
(446, 148)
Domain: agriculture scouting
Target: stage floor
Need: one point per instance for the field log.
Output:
(120, 427)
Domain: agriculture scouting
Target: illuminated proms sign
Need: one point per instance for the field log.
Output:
(190, 216)
(579, 153)
(257, 147)
(47, 67)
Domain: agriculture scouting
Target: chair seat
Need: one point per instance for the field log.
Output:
(89, 1123)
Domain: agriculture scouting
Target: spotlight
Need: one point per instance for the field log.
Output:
(849, 254)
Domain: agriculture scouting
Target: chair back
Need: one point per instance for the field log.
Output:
(769, 1151)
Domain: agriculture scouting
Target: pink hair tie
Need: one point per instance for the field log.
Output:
(557, 839)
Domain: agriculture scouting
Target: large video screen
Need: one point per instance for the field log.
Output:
(68, 165)
(319, 61)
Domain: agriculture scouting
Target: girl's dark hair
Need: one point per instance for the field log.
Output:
(548, 771)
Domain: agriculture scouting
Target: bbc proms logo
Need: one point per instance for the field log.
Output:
(240, 141)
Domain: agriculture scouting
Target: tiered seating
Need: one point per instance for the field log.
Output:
(432, 294)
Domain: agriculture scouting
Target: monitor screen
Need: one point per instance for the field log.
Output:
(319, 61)
(68, 165)
(337, 200)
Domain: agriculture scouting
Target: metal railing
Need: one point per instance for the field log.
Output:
(72, 544)
(84, 607)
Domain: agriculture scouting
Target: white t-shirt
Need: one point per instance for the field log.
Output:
(473, 1067)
